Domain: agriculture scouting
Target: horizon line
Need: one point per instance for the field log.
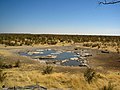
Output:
(60, 33)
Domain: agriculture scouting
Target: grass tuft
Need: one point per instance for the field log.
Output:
(47, 70)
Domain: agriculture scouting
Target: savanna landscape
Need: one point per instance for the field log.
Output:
(59, 44)
(103, 72)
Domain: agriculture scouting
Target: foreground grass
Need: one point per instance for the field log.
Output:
(30, 73)
(21, 77)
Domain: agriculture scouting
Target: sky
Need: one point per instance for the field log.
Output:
(59, 17)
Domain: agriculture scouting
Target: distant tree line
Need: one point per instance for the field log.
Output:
(51, 39)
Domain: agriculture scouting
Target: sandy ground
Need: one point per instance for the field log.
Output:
(109, 60)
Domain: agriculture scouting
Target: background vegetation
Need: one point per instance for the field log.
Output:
(16, 70)
(51, 39)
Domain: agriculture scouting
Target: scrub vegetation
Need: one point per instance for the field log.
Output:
(51, 39)
(91, 41)
(16, 70)
(32, 72)
(28, 75)
(47, 70)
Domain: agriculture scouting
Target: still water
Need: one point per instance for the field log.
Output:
(60, 55)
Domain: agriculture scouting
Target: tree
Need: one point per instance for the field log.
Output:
(105, 2)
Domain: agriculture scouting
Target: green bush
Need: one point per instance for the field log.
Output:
(4, 65)
(87, 44)
(95, 45)
(89, 75)
(47, 70)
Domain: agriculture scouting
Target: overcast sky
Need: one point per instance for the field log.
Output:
(59, 16)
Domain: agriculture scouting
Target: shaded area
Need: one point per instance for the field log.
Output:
(30, 87)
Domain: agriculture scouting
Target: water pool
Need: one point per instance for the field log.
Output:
(60, 55)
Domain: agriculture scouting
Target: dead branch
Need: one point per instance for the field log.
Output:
(106, 2)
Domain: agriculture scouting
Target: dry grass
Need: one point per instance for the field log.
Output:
(21, 77)
(30, 73)
(5, 53)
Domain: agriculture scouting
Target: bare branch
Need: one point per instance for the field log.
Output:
(112, 2)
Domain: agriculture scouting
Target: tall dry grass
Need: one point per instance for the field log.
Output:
(21, 77)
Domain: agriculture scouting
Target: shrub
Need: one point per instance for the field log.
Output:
(4, 65)
(17, 63)
(95, 45)
(89, 75)
(2, 75)
(75, 48)
(117, 50)
(47, 70)
(87, 44)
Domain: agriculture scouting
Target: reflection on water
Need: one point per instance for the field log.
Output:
(60, 55)
(72, 63)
